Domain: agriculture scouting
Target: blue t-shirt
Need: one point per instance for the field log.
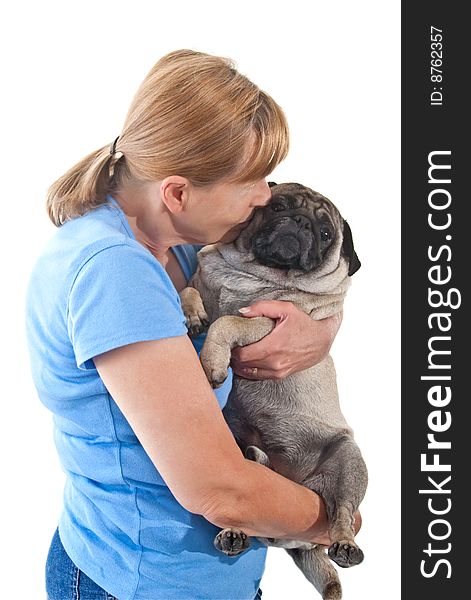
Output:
(95, 288)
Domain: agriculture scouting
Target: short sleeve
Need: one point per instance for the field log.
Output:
(121, 295)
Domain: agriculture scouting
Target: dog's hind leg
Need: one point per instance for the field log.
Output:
(341, 481)
(318, 570)
(233, 541)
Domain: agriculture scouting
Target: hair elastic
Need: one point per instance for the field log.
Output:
(113, 147)
(116, 155)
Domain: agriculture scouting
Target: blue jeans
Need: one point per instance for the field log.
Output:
(64, 581)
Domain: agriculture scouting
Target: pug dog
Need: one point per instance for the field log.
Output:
(299, 249)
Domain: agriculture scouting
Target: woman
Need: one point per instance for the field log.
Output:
(153, 472)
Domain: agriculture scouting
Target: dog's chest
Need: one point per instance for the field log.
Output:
(224, 292)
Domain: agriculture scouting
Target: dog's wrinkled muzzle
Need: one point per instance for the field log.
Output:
(286, 248)
(287, 243)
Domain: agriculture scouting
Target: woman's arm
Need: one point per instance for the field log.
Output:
(297, 342)
(163, 392)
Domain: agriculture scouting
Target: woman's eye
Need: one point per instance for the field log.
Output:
(326, 234)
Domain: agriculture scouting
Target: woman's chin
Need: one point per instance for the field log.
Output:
(231, 235)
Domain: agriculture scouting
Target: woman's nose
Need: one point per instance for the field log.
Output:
(265, 195)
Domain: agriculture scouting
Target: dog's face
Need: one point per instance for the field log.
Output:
(299, 230)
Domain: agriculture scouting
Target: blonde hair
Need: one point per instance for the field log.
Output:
(194, 115)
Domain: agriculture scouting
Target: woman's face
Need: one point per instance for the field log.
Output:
(219, 211)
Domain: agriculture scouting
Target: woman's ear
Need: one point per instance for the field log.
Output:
(174, 191)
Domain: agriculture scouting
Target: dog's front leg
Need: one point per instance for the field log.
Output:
(226, 333)
(194, 311)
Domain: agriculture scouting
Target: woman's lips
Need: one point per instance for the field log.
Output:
(244, 224)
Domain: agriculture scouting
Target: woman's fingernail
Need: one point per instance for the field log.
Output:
(244, 309)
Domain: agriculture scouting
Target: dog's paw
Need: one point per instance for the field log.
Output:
(197, 321)
(345, 553)
(332, 591)
(254, 453)
(192, 306)
(215, 375)
(215, 356)
(231, 541)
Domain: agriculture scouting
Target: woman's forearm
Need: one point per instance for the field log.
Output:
(265, 504)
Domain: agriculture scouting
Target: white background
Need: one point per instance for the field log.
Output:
(69, 71)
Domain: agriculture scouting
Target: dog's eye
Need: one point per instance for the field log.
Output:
(326, 234)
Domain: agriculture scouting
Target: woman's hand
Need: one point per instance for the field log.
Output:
(323, 536)
(297, 342)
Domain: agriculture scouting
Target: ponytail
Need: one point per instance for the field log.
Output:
(84, 186)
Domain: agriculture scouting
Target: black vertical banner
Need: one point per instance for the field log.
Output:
(436, 332)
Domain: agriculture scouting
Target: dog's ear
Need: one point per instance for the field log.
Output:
(347, 247)
(271, 183)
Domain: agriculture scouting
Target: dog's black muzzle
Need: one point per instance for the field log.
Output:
(288, 242)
